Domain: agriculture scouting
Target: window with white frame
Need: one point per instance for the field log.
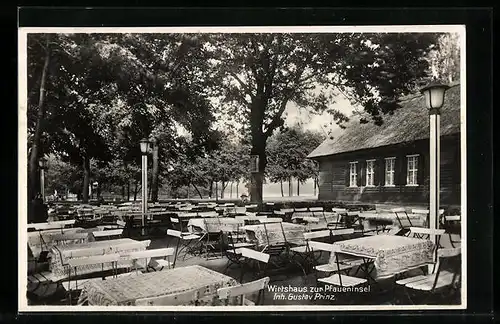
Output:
(370, 173)
(389, 171)
(353, 174)
(412, 170)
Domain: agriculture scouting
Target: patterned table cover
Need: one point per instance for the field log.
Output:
(392, 254)
(215, 225)
(200, 281)
(60, 254)
(294, 233)
(416, 219)
(43, 240)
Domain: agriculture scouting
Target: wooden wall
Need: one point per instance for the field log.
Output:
(334, 174)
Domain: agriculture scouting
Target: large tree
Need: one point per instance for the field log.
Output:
(260, 74)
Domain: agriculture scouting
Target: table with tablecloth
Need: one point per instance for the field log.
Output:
(198, 283)
(274, 233)
(43, 240)
(391, 254)
(60, 254)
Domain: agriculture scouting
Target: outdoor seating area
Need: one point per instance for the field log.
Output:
(217, 254)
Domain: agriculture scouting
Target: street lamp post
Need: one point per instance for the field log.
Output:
(144, 144)
(42, 162)
(434, 99)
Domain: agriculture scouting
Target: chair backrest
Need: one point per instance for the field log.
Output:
(398, 210)
(113, 232)
(279, 212)
(316, 209)
(339, 210)
(94, 259)
(424, 211)
(316, 234)
(320, 246)
(256, 255)
(243, 289)
(271, 220)
(342, 231)
(87, 252)
(121, 223)
(300, 210)
(240, 210)
(175, 233)
(426, 231)
(163, 252)
(174, 220)
(286, 210)
(63, 223)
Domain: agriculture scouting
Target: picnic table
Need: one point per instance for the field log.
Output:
(192, 285)
(390, 254)
(275, 233)
(60, 254)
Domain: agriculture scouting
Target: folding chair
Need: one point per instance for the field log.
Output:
(340, 214)
(150, 263)
(232, 253)
(318, 212)
(250, 258)
(445, 279)
(211, 238)
(427, 234)
(243, 290)
(451, 224)
(337, 278)
(306, 252)
(186, 242)
(74, 263)
(400, 213)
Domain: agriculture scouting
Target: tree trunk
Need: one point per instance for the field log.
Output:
(216, 191)
(156, 172)
(86, 178)
(35, 146)
(257, 178)
(298, 187)
(237, 189)
(123, 192)
(222, 187)
(231, 190)
(128, 190)
(211, 192)
(198, 191)
(290, 191)
(281, 186)
(315, 184)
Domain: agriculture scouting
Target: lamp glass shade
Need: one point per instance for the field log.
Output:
(42, 162)
(144, 143)
(434, 95)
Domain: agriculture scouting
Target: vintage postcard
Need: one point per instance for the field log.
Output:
(242, 168)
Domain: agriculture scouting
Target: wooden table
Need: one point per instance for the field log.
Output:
(192, 285)
(215, 225)
(391, 254)
(60, 254)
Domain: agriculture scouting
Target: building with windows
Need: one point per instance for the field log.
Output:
(390, 163)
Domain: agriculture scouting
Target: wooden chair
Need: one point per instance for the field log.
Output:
(452, 226)
(91, 260)
(243, 290)
(183, 242)
(306, 252)
(155, 264)
(337, 278)
(271, 220)
(250, 259)
(318, 212)
(340, 214)
(446, 276)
